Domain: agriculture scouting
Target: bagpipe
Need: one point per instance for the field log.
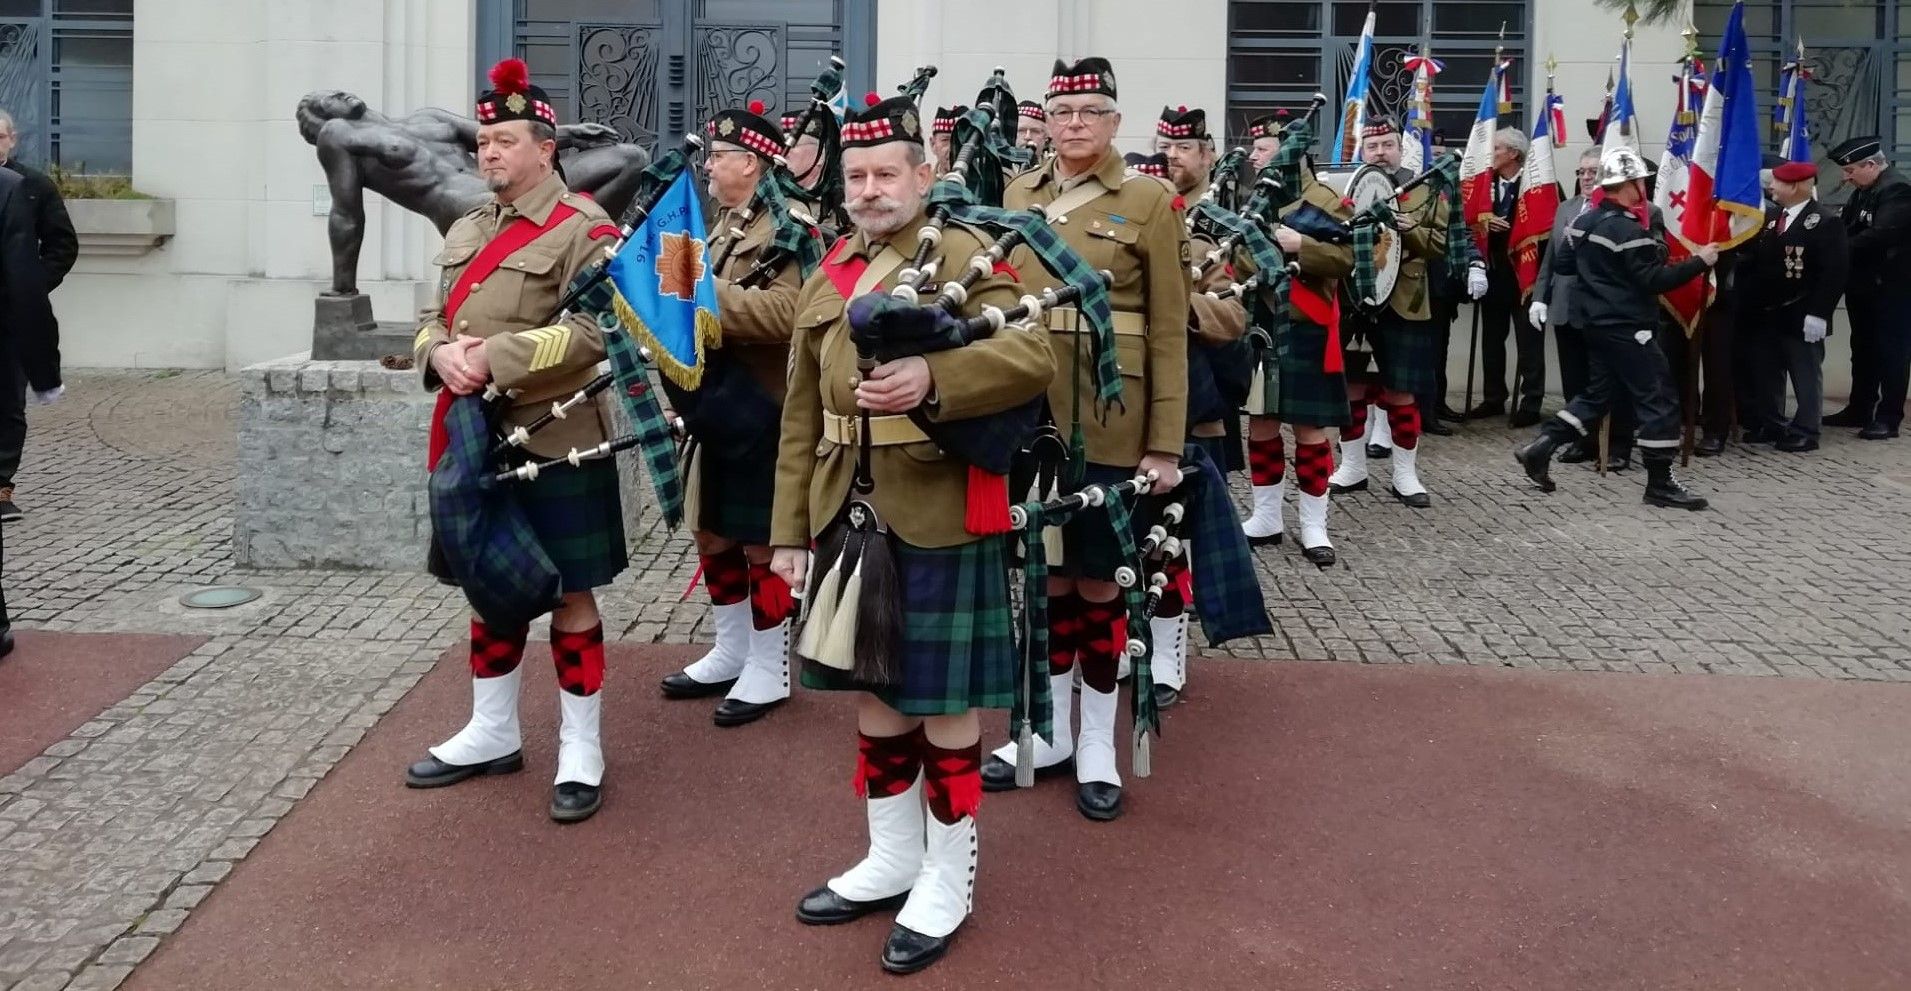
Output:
(1373, 194)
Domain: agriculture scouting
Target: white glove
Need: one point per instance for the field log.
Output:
(1814, 329)
(57, 391)
(1476, 281)
(1537, 313)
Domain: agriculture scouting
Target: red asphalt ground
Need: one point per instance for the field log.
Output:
(53, 683)
(1317, 826)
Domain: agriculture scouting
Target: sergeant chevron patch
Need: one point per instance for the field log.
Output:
(549, 345)
(424, 334)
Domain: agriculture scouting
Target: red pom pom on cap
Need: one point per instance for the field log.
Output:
(511, 76)
(756, 107)
(1181, 109)
(872, 98)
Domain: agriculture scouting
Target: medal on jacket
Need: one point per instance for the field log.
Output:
(1794, 261)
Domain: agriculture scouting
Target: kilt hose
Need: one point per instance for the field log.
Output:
(1405, 351)
(578, 518)
(1089, 549)
(1302, 391)
(958, 642)
(730, 497)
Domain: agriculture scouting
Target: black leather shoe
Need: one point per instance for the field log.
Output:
(999, 775)
(1418, 500)
(573, 801)
(1798, 444)
(1273, 540)
(1761, 435)
(1099, 801)
(1436, 428)
(1877, 431)
(1377, 453)
(1486, 411)
(1710, 447)
(1537, 459)
(1847, 417)
(908, 951)
(1448, 413)
(1165, 696)
(1674, 496)
(1619, 461)
(1523, 418)
(824, 907)
(678, 685)
(434, 773)
(1360, 486)
(1579, 453)
(1321, 557)
(731, 712)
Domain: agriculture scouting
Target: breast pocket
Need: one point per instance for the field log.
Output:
(1110, 244)
(530, 281)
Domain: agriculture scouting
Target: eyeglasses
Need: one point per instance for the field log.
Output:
(1071, 116)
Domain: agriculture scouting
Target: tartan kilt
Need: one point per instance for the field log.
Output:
(731, 497)
(1304, 394)
(578, 517)
(1217, 448)
(1089, 549)
(958, 650)
(1405, 351)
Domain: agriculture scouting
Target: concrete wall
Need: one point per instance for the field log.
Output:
(214, 88)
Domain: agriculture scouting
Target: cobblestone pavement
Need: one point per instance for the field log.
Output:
(110, 837)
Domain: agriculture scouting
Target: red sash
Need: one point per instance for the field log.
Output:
(1323, 310)
(520, 233)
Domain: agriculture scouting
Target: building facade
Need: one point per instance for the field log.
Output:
(194, 98)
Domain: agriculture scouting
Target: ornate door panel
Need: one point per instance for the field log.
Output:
(618, 78)
(735, 64)
(23, 83)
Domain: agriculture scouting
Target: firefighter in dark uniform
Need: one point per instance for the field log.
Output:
(1878, 297)
(1621, 270)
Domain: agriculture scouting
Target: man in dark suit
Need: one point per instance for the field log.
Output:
(1878, 232)
(1503, 312)
(26, 321)
(1793, 275)
(56, 247)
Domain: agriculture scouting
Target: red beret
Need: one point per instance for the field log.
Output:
(1795, 172)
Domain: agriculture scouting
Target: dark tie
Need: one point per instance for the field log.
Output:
(1784, 221)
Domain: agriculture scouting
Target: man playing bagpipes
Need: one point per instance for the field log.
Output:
(1302, 382)
(1124, 224)
(942, 136)
(733, 417)
(1399, 332)
(909, 602)
(1031, 127)
(506, 266)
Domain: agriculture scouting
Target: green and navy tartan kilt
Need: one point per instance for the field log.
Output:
(1405, 351)
(1305, 394)
(732, 497)
(1089, 549)
(958, 650)
(579, 520)
(1217, 448)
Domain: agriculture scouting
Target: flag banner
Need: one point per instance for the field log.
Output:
(1674, 199)
(1539, 194)
(1476, 166)
(666, 295)
(1727, 205)
(1622, 121)
(1795, 145)
(1353, 114)
(1418, 151)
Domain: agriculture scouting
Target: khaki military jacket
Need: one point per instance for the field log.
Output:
(756, 322)
(1323, 265)
(1133, 232)
(535, 361)
(920, 492)
(1412, 297)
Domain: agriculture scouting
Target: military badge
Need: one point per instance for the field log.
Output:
(1794, 261)
(1812, 221)
(910, 125)
(726, 127)
(516, 103)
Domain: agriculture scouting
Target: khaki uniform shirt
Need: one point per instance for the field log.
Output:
(756, 322)
(535, 361)
(920, 493)
(1133, 232)
(1323, 265)
(1412, 298)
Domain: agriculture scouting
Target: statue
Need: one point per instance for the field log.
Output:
(427, 163)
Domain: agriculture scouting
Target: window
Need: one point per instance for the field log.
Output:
(1859, 55)
(66, 76)
(1278, 49)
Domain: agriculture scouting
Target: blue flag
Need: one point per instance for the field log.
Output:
(665, 293)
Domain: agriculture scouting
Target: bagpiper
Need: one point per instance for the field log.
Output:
(1125, 224)
(731, 472)
(1309, 388)
(1400, 333)
(506, 265)
(919, 734)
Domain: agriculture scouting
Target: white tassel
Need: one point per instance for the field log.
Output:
(839, 644)
(1025, 754)
(1144, 761)
(822, 611)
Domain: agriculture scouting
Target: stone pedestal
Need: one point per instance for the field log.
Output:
(343, 330)
(332, 467)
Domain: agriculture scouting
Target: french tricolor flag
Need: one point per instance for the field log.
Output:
(1727, 206)
(1539, 193)
(1476, 166)
(1674, 198)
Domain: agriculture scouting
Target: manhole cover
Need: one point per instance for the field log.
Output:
(218, 597)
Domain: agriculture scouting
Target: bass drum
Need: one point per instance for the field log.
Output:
(1370, 185)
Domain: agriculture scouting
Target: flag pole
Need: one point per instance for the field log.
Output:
(1694, 349)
